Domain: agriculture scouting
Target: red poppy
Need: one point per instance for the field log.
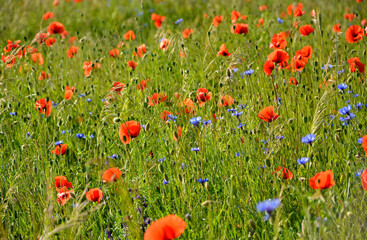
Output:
(37, 57)
(223, 51)
(169, 227)
(298, 61)
(353, 62)
(279, 56)
(296, 10)
(278, 42)
(72, 51)
(313, 13)
(64, 34)
(88, 66)
(164, 115)
(322, 180)
(44, 76)
(293, 81)
(11, 45)
(63, 195)
(336, 28)
(130, 35)
(205, 15)
(50, 41)
(128, 131)
(354, 34)
(202, 95)
(267, 114)
(263, 7)
(56, 3)
(157, 19)
(69, 92)
(55, 28)
(363, 22)
(111, 175)
(164, 44)
(306, 52)
(47, 15)
(188, 105)
(156, 98)
(226, 100)
(239, 28)
(364, 143)
(118, 87)
(72, 40)
(268, 67)
(114, 53)
(132, 64)
(61, 181)
(260, 22)
(142, 85)
(306, 30)
(349, 16)
(94, 195)
(285, 173)
(236, 15)
(187, 32)
(140, 51)
(178, 134)
(60, 149)
(8, 60)
(217, 20)
(364, 179)
(43, 107)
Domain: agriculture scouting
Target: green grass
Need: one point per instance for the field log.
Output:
(224, 207)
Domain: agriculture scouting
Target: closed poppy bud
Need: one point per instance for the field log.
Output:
(111, 175)
(94, 195)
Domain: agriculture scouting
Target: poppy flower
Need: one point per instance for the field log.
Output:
(298, 62)
(292, 81)
(37, 57)
(142, 85)
(128, 131)
(47, 15)
(278, 42)
(118, 87)
(64, 34)
(285, 173)
(8, 60)
(111, 175)
(364, 143)
(234, 16)
(63, 195)
(363, 22)
(157, 19)
(11, 45)
(72, 51)
(164, 115)
(306, 30)
(169, 227)
(178, 134)
(205, 15)
(60, 149)
(298, 11)
(349, 16)
(140, 51)
(43, 107)
(313, 13)
(306, 52)
(50, 41)
(202, 95)
(322, 180)
(129, 35)
(239, 28)
(156, 98)
(68, 92)
(43, 75)
(217, 20)
(188, 105)
(88, 66)
(61, 181)
(364, 179)
(263, 7)
(336, 28)
(279, 56)
(267, 114)
(72, 40)
(268, 67)
(353, 62)
(55, 28)
(223, 51)
(94, 195)
(132, 64)
(226, 100)
(187, 32)
(295, 10)
(114, 53)
(260, 22)
(354, 34)
(164, 44)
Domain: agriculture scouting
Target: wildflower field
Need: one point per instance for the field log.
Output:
(192, 119)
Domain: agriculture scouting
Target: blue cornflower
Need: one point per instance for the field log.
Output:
(359, 173)
(80, 135)
(59, 142)
(342, 71)
(237, 154)
(29, 135)
(139, 14)
(195, 149)
(91, 136)
(244, 106)
(179, 21)
(231, 109)
(143, 126)
(308, 138)
(279, 100)
(54, 104)
(345, 110)
(235, 70)
(342, 86)
(236, 114)
(195, 121)
(172, 117)
(12, 114)
(81, 95)
(160, 40)
(356, 95)
(360, 140)
(359, 105)
(249, 72)
(280, 137)
(280, 20)
(303, 160)
(202, 180)
(268, 206)
(347, 118)
(161, 160)
(166, 182)
(63, 132)
(241, 125)
(114, 156)
(88, 100)
(207, 122)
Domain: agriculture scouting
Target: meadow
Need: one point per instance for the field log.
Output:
(192, 119)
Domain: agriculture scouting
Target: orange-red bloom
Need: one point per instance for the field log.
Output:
(43, 107)
(278, 42)
(8, 60)
(69, 92)
(268, 67)
(178, 134)
(44, 76)
(354, 34)
(292, 81)
(203, 96)
(60, 149)
(63, 195)
(114, 53)
(279, 56)
(267, 114)
(111, 175)
(164, 115)
(226, 100)
(306, 52)
(187, 32)
(118, 87)
(349, 16)
(322, 180)
(336, 28)
(164, 44)
(263, 7)
(48, 15)
(306, 30)
(72, 51)
(140, 50)
(88, 66)
(284, 173)
(142, 85)
(364, 143)
(236, 15)
(50, 41)
(128, 131)
(129, 35)
(94, 195)
(355, 62)
(223, 51)
(61, 181)
(37, 57)
(239, 28)
(217, 20)
(156, 98)
(72, 40)
(364, 179)
(55, 28)
(157, 19)
(11, 45)
(260, 22)
(169, 227)
(188, 105)
(132, 64)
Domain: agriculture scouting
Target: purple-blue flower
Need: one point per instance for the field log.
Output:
(303, 160)
(342, 86)
(308, 139)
